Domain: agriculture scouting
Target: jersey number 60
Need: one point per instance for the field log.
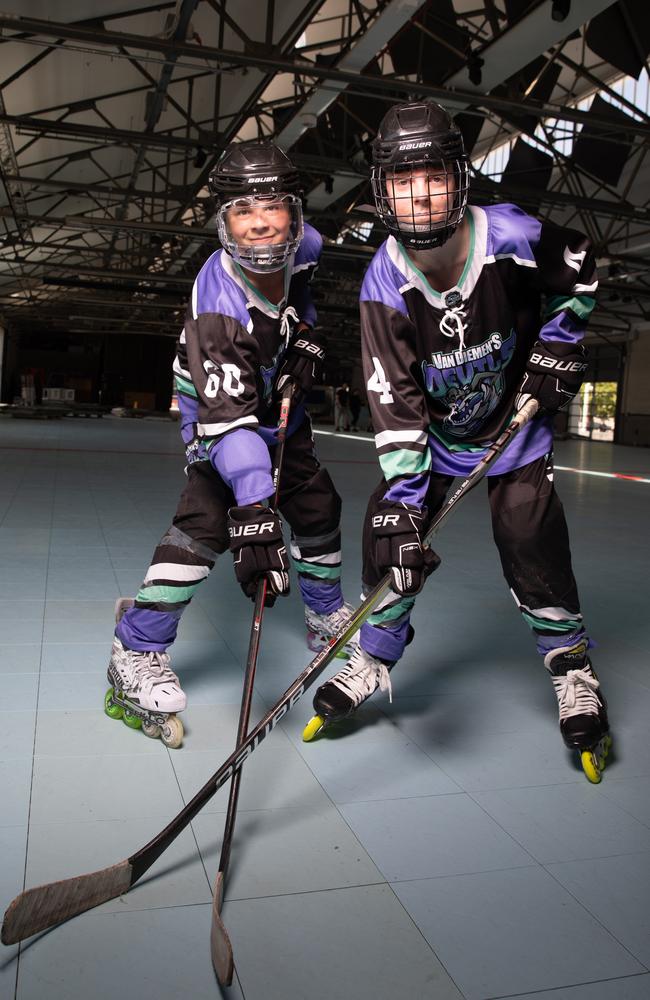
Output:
(232, 384)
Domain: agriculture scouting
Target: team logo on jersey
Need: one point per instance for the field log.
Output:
(268, 374)
(469, 382)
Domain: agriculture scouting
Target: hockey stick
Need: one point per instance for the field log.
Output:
(220, 946)
(36, 909)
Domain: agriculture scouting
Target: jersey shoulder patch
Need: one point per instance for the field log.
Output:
(382, 282)
(512, 234)
(215, 291)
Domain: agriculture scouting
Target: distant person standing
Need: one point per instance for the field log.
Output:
(355, 409)
(342, 408)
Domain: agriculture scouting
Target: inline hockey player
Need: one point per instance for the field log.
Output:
(248, 329)
(455, 338)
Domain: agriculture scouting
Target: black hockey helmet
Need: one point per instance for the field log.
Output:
(256, 173)
(417, 141)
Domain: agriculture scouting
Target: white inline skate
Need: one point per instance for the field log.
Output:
(321, 628)
(145, 692)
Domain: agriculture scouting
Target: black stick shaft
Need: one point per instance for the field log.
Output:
(144, 858)
(253, 647)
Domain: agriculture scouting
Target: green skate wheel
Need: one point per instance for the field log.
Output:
(132, 721)
(313, 728)
(112, 710)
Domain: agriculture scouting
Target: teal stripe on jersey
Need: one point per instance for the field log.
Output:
(546, 625)
(159, 594)
(581, 305)
(316, 569)
(185, 387)
(391, 614)
(405, 462)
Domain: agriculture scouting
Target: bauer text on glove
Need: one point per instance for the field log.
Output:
(397, 532)
(302, 363)
(258, 550)
(554, 373)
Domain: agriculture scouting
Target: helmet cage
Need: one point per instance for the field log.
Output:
(413, 223)
(263, 258)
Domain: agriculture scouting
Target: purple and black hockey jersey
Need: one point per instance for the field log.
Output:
(228, 354)
(443, 368)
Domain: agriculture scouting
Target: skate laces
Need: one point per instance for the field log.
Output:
(576, 693)
(145, 670)
(361, 677)
(154, 669)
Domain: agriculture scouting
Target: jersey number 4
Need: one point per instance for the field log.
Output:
(379, 383)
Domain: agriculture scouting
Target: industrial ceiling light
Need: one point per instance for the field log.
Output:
(560, 10)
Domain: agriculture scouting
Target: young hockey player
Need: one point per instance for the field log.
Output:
(249, 328)
(453, 344)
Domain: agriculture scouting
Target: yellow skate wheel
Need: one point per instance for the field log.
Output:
(112, 710)
(591, 766)
(313, 728)
(171, 732)
(150, 729)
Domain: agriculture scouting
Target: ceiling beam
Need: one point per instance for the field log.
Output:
(452, 97)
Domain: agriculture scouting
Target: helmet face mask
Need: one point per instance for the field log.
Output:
(420, 175)
(261, 231)
(259, 212)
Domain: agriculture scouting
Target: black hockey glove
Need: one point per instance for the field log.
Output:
(554, 374)
(397, 532)
(258, 550)
(302, 363)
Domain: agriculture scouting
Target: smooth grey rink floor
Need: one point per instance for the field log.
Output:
(444, 846)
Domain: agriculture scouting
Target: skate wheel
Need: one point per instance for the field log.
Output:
(313, 728)
(112, 710)
(172, 732)
(593, 761)
(132, 721)
(150, 729)
(590, 763)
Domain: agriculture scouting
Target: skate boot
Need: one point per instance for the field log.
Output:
(583, 710)
(344, 692)
(145, 692)
(321, 628)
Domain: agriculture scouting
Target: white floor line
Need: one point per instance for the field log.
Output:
(558, 468)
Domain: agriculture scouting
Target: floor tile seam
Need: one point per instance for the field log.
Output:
(305, 892)
(502, 827)
(190, 824)
(35, 730)
(530, 854)
(556, 989)
(594, 916)
(428, 944)
(623, 808)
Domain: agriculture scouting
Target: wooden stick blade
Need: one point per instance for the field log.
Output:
(220, 946)
(46, 905)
